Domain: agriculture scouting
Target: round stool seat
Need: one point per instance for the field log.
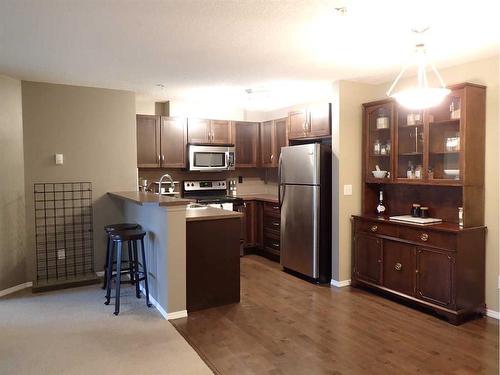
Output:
(127, 235)
(121, 226)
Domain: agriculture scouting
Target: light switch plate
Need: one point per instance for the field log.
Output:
(59, 159)
(347, 189)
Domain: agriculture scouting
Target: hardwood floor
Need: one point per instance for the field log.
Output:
(284, 325)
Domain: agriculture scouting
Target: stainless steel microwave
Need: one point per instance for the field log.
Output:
(211, 158)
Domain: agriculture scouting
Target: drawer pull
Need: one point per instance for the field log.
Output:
(398, 266)
(275, 244)
(374, 228)
(276, 207)
(276, 224)
(424, 236)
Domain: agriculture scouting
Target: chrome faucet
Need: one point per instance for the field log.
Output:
(172, 185)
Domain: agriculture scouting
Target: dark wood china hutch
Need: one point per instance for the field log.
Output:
(434, 158)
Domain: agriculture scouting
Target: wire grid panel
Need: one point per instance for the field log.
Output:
(63, 230)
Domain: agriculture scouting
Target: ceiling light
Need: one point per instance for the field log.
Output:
(422, 95)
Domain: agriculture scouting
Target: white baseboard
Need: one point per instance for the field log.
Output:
(178, 314)
(16, 288)
(167, 316)
(493, 314)
(340, 284)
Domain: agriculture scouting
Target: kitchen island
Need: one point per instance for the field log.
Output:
(212, 257)
(192, 253)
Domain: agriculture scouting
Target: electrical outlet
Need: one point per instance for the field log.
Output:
(61, 254)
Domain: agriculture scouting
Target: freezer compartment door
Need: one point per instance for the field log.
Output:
(300, 164)
(300, 229)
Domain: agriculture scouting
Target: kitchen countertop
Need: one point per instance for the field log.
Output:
(141, 197)
(210, 213)
(259, 197)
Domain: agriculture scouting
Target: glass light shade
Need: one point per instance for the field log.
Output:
(421, 97)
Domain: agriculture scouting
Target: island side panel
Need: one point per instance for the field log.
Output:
(165, 245)
(213, 263)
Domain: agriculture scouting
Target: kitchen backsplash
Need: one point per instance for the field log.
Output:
(255, 181)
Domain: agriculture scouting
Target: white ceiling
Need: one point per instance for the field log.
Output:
(218, 48)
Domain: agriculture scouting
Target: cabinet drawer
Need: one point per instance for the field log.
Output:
(272, 223)
(376, 228)
(272, 209)
(429, 238)
(271, 244)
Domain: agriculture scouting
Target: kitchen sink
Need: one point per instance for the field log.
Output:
(196, 206)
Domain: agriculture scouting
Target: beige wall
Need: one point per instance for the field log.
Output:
(95, 130)
(12, 222)
(347, 153)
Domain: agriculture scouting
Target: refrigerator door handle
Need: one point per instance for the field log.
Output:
(280, 199)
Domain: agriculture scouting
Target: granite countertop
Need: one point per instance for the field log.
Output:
(259, 197)
(210, 213)
(141, 198)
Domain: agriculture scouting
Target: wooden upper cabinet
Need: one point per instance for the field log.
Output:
(173, 142)
(297, 127)
(198, 130)
(280, 140)
(266, 144)
(148, 141)
(246, 140)
(311, 122)
(220, 131)
(320, 121)
(272, 139)
(209, 131)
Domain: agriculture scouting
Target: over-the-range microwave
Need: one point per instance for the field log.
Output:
(209, 158)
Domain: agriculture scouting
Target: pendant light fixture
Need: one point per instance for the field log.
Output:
(422, 95)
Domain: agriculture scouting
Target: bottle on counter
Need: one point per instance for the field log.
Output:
(424, 212)
(415, 210)
(381, 207)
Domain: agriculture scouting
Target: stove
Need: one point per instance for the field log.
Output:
(211, 193)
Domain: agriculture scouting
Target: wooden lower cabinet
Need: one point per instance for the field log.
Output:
(440, 268)
(435, 276)
(262, 228)
(368, 258)
(399, 266)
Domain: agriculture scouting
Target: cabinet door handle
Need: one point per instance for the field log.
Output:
(398, 266)
(159, 157)
(275, 244)
(424, 236)
(272, 157)
(379, 260)
(374, 228)
(163, 158)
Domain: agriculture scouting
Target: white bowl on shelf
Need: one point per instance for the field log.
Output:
(379, 174)
(452, 172)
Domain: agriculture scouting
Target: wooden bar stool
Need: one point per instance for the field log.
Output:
(108, 229)
(117, 238)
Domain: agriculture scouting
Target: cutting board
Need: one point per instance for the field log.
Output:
(415, 220)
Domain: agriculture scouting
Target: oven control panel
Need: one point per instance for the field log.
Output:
(204, 185)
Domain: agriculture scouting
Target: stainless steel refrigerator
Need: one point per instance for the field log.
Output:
(305, 196)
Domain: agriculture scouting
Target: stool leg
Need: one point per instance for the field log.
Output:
(118, 276)
(136, 270)
(106, 265)
(109, 272)
(131, 262)
(145, 270)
